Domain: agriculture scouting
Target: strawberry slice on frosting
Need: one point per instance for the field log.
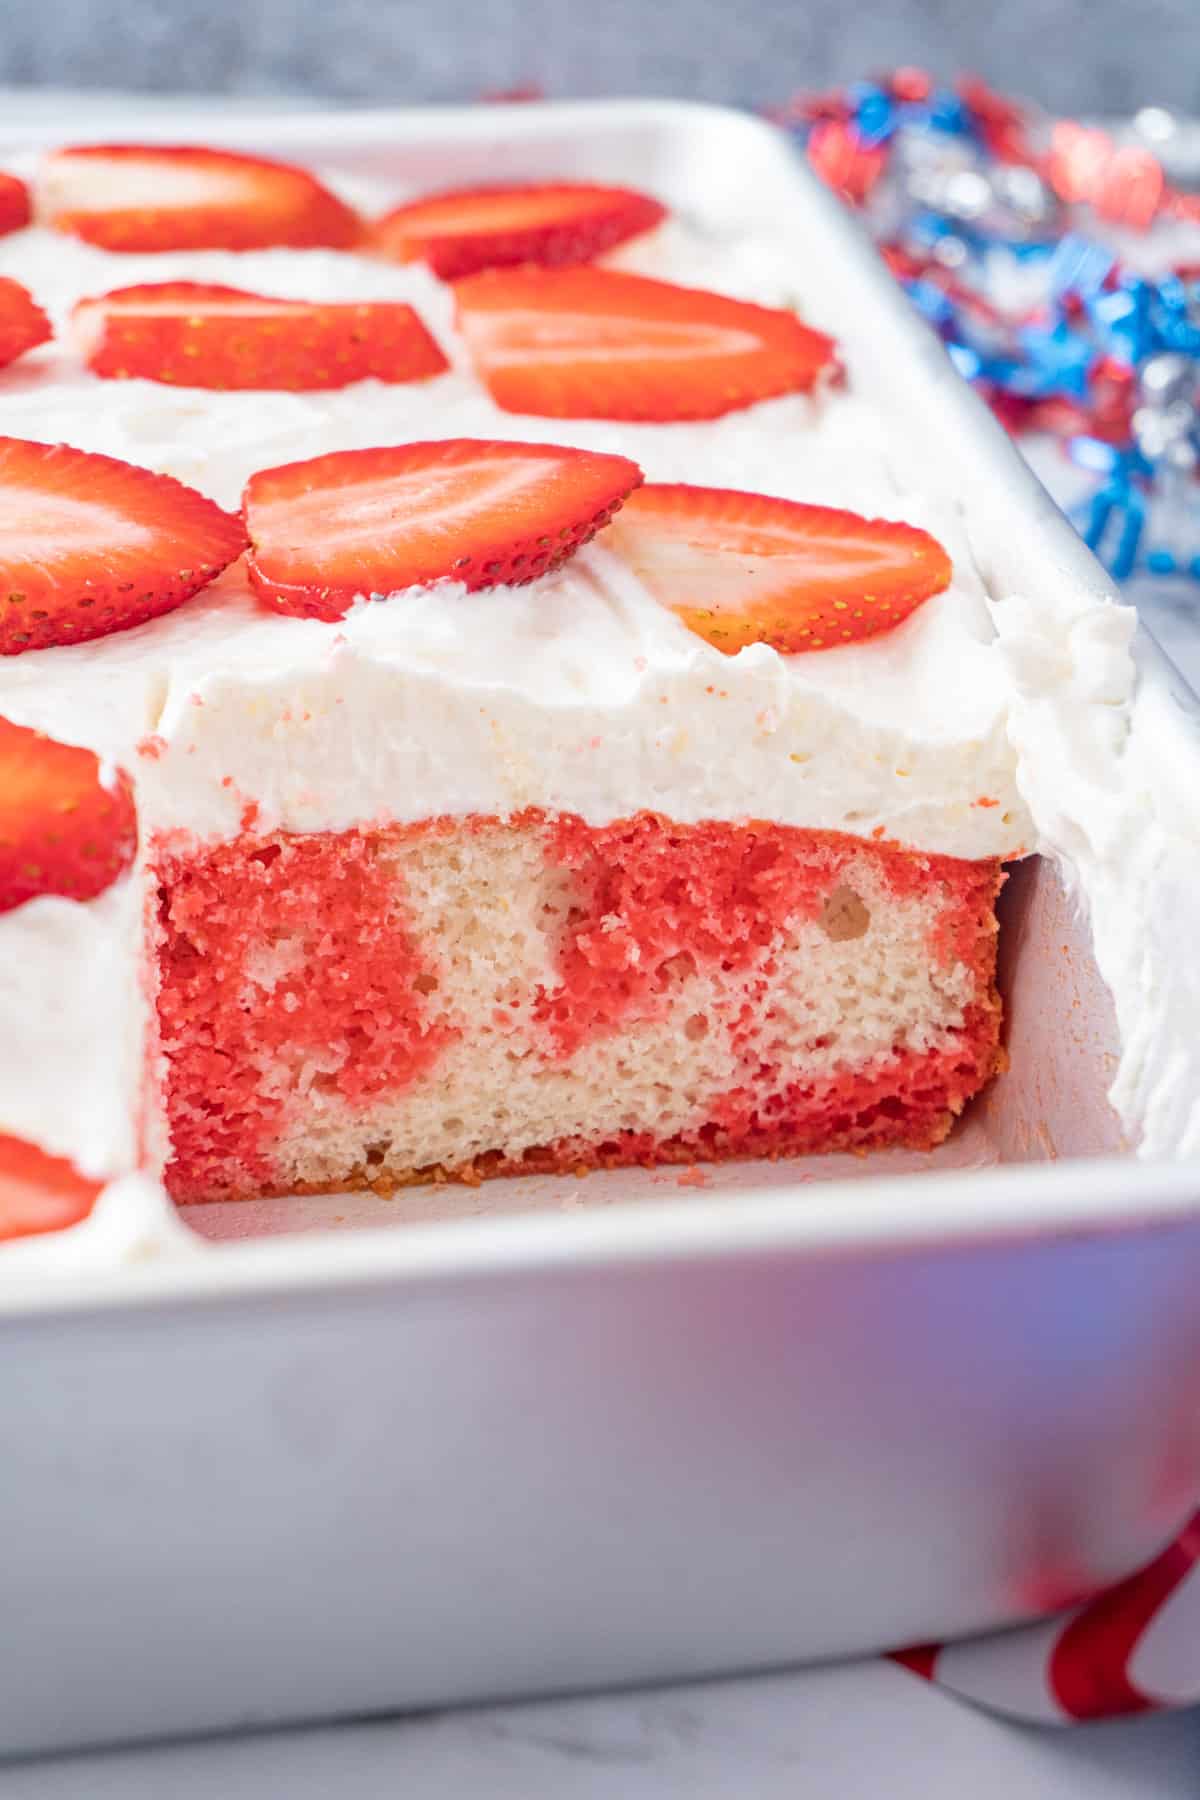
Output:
(147, 197)
(195, 334)
(591, 343)
(469, 229)
(90, 545)
(744, 569)
(39, 1192)
(23, 324)
(67, 823)
(363, 523)
(15, 207)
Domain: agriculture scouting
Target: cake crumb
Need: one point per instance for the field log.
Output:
(693, 1177)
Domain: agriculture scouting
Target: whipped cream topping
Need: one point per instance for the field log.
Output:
(72, 1023)
(579, 692)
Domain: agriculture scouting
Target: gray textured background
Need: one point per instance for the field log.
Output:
(1072, 54)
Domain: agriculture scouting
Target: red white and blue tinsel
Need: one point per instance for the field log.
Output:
(1046, 255)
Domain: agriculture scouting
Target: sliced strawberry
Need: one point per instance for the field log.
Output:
(219, 337)
(39, 1192)
(373, 522)
(22, 321)
(487, 228)
(15, 209)
(180, 197)
(746, 569)
(599, 344)
(90, 545)
(66, 826)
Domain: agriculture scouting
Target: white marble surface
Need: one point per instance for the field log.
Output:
(864, 1729)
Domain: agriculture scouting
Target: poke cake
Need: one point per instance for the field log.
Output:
(478, 695)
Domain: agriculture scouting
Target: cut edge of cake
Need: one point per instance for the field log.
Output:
(466, 998)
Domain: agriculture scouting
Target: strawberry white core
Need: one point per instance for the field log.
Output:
(91, 184)
(512, 337)
(252, 306)
(477, 212)
(441, 500)
(87, 323)
(31, 520)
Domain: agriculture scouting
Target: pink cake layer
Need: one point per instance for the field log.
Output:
(465, 998)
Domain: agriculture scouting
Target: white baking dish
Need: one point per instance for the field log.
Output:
(540, 1437)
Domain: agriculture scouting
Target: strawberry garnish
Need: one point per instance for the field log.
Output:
(15, 209)
(22, 321)
(600, 344)
(90, 545)
(39, 1192)
(372, 522)
(460, 232)
(747, 569)
(219, 337)
(67, 824)
(181, 197)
